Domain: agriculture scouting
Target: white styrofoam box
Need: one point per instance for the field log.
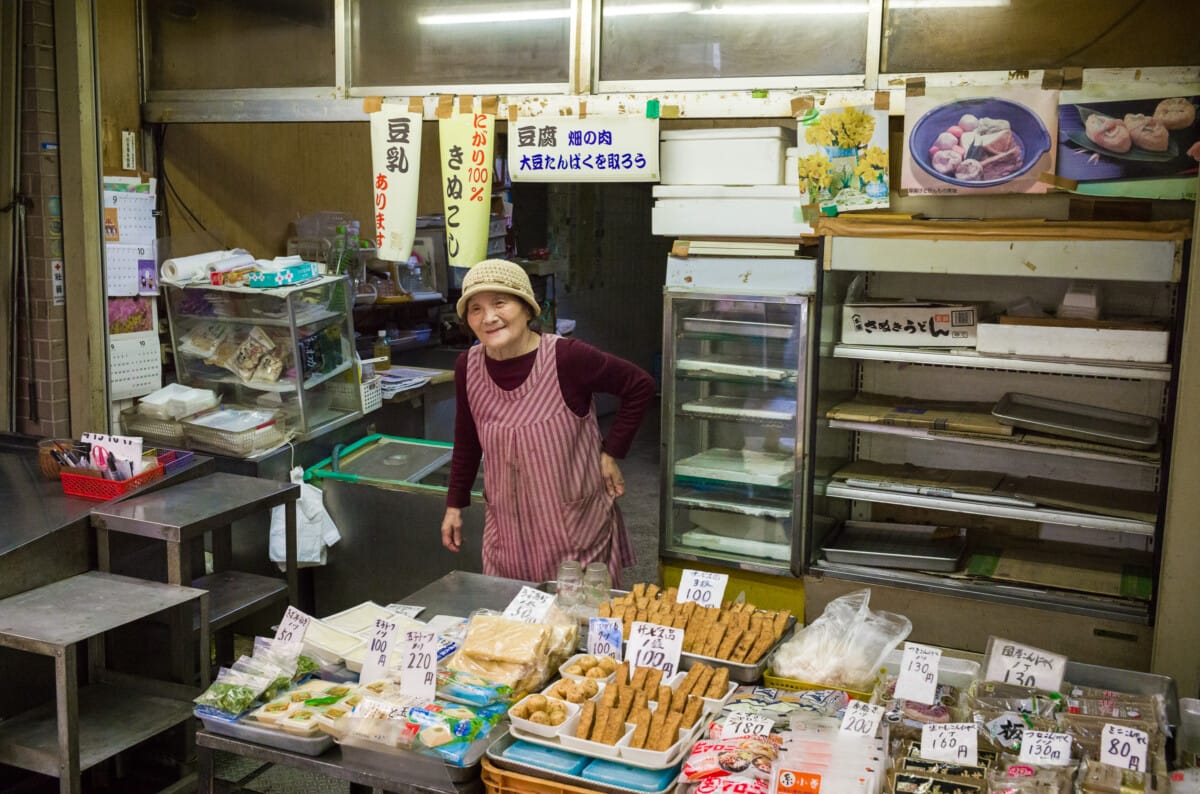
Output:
(909, 324)
(759, 211)
(1098, 344)
(743, 274)
(791, 166)
(731, 156)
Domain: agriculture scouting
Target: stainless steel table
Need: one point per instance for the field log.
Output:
(114, 711)
(329, 764)
(190, 510)
(456, 593)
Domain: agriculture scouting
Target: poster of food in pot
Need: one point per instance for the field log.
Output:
(963, 141)
(842, 158)
(1128, 139)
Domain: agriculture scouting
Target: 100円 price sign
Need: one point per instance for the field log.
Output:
(652, 645)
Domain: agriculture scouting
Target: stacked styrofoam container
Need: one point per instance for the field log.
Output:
(726, 182)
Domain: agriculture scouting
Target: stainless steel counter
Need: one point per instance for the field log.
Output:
(461, 593)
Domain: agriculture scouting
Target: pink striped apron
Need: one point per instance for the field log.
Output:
(545, 496)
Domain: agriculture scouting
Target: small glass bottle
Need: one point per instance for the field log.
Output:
(597, 584)
(570, 585)
(383, 349)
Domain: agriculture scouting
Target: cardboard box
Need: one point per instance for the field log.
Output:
(909, 324)
(1097, 344)
(725, 156)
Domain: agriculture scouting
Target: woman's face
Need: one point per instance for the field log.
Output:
(498, 319)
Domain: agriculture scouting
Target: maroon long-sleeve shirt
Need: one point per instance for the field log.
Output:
(582, 372)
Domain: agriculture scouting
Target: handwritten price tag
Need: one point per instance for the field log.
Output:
(651, 645)
(742, 724)
(1013, 663)
(952, 742)
(530, 606)
(418, 665)
(861, 719)
(917, 680)
(383, 639)
(706, 589)
(405, 610)
(604, 637)
(1124, 747)
(293, 626)
(1045, 748)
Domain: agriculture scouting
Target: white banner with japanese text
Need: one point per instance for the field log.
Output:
(466, 146)
(556, 149)
(396, 161)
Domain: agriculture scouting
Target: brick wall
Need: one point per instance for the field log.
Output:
(43, 234)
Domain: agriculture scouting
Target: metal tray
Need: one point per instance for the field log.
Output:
(495, 754)
(742, 673)
(418, 768)
(911, 547)
(269, 737)
(1075, 420)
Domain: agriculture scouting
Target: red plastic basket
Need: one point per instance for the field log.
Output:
(100, 488)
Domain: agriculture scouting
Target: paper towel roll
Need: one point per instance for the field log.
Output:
(191, 268)
(231, 262)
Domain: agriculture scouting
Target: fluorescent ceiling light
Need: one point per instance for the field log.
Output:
(789, 9)
(948, 4)
(645, 9)
(484, 17)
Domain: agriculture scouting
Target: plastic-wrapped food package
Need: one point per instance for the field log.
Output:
(1097, 778)
(1004, 730)
(1008, 776)
(984, 695)
(505, 651)
(906, 718)
(285, 655)
(745, 757)
(845, 646)
(814, 746)
(232, 693)
(281, 678)
(462, 687)
(779, 706)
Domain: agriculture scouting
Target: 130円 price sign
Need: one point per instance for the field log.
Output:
(1011, 662)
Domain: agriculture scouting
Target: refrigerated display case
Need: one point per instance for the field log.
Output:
(285, 349)
(988, 487)
(734, 405)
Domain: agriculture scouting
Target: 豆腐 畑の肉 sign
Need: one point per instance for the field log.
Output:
(556, 149)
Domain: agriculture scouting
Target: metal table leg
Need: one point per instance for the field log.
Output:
(293, 577)
(206, 782)
(222, 552)
(66, 687)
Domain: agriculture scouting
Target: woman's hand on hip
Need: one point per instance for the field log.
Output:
(452, 529)
(614, 483)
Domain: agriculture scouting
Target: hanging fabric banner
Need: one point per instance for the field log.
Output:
(396, 161)
(466, 146)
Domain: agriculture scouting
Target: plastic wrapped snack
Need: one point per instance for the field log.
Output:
(281, 678)
(985, 695)
(232, 693)
(778, 705)
(1004, 730)
(463, 687)
(202, 339)
(844, 647)
(745, 757)
(256, 345)
(906, 718)
(505, 651)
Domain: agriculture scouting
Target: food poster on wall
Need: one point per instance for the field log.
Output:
(466, 146)
(1151, 145)
(396, 162)
(843, 158)
(968, 140)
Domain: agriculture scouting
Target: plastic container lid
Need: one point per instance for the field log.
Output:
(615, 774)
(546, 758)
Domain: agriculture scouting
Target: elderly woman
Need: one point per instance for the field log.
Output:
(525, 401)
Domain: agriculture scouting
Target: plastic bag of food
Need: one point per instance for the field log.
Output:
(285, 655)
(744, 756)
(232, 693)
(779, 706)
(1005, 730)
(505, 651)
(460, 687)
(256, 345)
(992, 695)
(845, 646)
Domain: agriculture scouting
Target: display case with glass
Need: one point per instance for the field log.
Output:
(289, 349)
(735, 377)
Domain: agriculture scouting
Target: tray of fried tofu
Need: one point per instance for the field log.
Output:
(637, 719)
(737, 636)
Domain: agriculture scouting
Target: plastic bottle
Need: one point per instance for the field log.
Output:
(383, 350)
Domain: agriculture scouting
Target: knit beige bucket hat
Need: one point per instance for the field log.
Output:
(497, 275)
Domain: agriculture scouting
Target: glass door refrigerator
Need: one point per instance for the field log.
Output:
(735, 402)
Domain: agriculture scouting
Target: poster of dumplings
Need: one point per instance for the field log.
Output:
(969, 140)
(843, 157)
(1128, 139)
